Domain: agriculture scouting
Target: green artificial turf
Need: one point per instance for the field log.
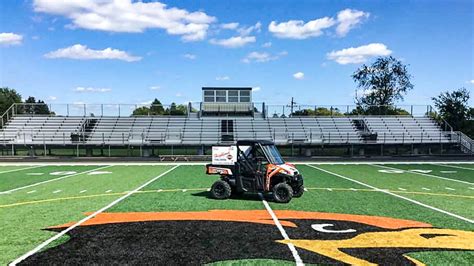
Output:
(185, 189)
(22, 226)
(21, 178)
(440, 170)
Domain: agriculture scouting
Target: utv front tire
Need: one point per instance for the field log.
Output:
(220, 190)
(298, 192)
(282, 193)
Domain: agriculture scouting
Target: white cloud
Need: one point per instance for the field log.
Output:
(244, 31)
(52, 98)
(355, 55)
(471, 81)
(190, 56)
(345, 20)
(230, 26)
(267, 45)
(298, 29)
(299, 75)
(179, 94)
(155, 88)
(128, 16)
(255, 89)
(81, 52)
(234, 42)
(91, 89)
(220, 78)
(9, 39)
(262, 57)
(348, 19)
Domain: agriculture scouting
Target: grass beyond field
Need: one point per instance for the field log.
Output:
(391, 213)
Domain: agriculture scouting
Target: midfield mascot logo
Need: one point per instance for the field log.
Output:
(224, 235)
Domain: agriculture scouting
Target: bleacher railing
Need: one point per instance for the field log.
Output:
(83, 109)
(259, 108)
(345, 110)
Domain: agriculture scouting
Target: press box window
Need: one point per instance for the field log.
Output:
(233, 96)
(221, 96)
(209, 96)
(244, 96)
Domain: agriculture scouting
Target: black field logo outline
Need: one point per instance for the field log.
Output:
(223, 235)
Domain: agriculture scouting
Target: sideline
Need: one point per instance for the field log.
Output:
(51, 180)
(204, 163)
(65, 231)
(418, 173)
(396, 195)
(26, 168)
(452, 166)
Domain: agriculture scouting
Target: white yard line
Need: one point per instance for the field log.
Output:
(204, 163)
(20, 169)
(448, 188)
(283, 233)
(52, 180)
(424, 188)
(452, 166)
(402, 189)
(57, 191)
(108, 191)
(418, 173)
(29, 192)
(396, 195)
(65, 231)
(82, 191)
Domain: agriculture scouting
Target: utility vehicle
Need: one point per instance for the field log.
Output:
(254, 166)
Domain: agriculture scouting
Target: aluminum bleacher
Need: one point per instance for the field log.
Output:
(182, 130)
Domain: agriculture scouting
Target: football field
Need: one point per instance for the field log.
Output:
(162, 213)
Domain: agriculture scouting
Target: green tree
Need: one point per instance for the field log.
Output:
(453, 107)
(175, 109)
(7, 98)
(382, 84)
(156, 108)
(144, 110)
(319, 111)
(36, 107)
(29, 107)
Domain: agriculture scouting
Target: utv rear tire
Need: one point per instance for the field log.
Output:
(282, 193)
(298, 192)
(220, 190)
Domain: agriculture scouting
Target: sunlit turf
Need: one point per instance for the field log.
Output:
(30, 176)
(7, 168)
(23, 213)
(22, 225)
(442, 171)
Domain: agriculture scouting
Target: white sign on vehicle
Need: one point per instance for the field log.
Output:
(224, 155)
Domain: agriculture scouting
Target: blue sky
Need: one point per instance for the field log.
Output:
(58, 51)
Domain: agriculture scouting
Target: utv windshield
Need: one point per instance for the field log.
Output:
(273, 154)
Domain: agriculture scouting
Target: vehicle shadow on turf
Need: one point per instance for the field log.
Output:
(245, 196)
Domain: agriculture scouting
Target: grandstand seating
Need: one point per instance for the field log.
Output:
(181, 130)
